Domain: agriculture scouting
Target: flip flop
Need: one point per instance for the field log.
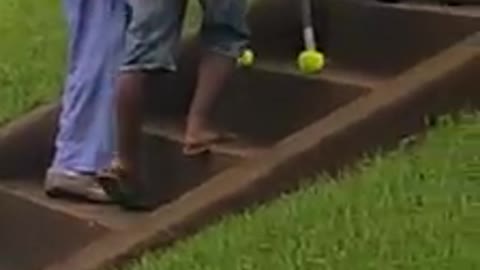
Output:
(204, 146)
(113, 180)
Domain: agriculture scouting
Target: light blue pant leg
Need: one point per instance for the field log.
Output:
(96, 32)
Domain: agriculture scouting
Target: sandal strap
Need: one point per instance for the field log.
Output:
(113, 180)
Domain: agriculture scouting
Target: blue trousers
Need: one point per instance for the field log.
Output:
(154, 31)
(96, 28)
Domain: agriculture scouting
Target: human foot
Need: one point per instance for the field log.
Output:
(61, 183)
(200, 142)
(117, 181)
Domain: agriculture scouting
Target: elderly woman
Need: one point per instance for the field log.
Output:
(84, 140)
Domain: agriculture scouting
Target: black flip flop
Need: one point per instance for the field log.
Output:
(113, 180)
(198, 148)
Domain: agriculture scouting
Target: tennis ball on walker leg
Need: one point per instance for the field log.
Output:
(311, 61)
(246, 59)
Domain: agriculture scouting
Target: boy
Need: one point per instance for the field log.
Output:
(84, 141)
(152, 37)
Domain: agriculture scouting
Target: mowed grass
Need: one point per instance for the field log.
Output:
(31, 55)
(411, 209)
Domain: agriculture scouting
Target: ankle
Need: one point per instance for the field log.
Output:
(124, 164)
(195, 123)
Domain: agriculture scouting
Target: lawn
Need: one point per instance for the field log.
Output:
(411, 209)
(31, 55)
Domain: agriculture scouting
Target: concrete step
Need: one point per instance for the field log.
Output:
(173, 129)
(461, 5)
(330, 73)
(33, 236)
(30, 221)
(107, 216)
(362, 36)
(167, 172)
(259, 105)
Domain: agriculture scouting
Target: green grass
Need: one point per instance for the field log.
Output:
(31, 55)
(411, 209)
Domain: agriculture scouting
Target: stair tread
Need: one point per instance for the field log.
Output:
(173, 129)
(330, 73)
(28, 227)
(109, 216)
(162, 162)
(466, 8)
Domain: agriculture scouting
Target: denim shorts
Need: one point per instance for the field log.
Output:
(155, 27)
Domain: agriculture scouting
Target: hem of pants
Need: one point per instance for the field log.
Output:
(77, 167)
(148, 67)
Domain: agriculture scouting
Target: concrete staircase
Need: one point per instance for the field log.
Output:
(368, 45)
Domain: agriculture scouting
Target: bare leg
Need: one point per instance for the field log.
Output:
(121, 179)
(129, 99)
(213, 71)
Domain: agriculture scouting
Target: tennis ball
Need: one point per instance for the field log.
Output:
(247, 58)
(311, 61)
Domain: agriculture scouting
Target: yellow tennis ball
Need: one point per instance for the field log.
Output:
(247, 58)
(311, 61)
